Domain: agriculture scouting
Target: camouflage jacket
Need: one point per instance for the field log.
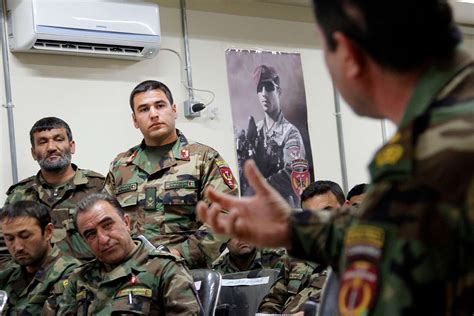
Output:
(161, 199)
(408, 249)
(277, 149)
(62, 203)
(150, 282)
(41, 293)
(263, 259)
(311, 292)
(285, 289)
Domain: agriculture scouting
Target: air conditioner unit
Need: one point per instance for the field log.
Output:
(100, 28)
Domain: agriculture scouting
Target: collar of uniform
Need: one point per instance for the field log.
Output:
(431, 83)
(256, 261)
(182, 142)
(78, 179)
(135, 262)
(140, 159)
(277, 127)
(48, 262)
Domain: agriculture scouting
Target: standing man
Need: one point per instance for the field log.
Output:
(39, 275)
(128, 276)
(159, 181)
(59, 184)
(407, 249)
(276, 146)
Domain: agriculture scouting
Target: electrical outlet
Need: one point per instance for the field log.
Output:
(188, 108)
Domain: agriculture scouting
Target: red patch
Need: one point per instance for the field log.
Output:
(358, 286)
(185, 154)
(226, 174)
(134, 279)
(300, 176)
(132, 157)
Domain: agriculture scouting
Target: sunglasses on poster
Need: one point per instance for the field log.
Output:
(269, 86)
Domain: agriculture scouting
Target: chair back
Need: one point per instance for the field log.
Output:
(208, 285)
(242, 292)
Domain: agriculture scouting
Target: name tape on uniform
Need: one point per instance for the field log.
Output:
(239, 282)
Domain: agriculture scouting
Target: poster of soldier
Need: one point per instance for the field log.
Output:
(268, 103)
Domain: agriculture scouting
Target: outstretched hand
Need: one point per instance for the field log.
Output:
(261, 219)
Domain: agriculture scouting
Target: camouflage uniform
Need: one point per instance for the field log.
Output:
(311, 292)
(62, 202)
(277, 148)
(408, 249)
(46, 285)
(284, 290)
(150, 282)
(263, 259)
(161, 198)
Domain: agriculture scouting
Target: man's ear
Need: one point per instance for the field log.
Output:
(48, 231)
(134, 120)
(173, 108)
(33, 153)
(72, 143)
(126, 219)
(352, 58)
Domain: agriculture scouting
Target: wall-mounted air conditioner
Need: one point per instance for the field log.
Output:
(101, 28)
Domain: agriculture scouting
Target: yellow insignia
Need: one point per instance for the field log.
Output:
(389, 155)
(65, 283)
(365, 234)
(221, 163)
(139, 291)
(81, 295)
(395, 138)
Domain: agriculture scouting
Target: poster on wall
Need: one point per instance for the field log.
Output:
(268, 102)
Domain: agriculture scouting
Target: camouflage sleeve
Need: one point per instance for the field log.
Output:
(68, 303)
(202, 248)
(51, 304)
(318, 236)
(297, 278)
(294, 147)
(177, 290)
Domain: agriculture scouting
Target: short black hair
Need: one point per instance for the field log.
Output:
(322, 187)
(33, 209)
(401, 35)
(49, 123)
(92, 199)
(149, 85)
(357, 190)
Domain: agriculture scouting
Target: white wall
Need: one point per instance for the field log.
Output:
(91, 94)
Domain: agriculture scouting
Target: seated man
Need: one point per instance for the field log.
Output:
(37, 277)
(242, 256)
(128, 276)
(285, 297)
(356, 195)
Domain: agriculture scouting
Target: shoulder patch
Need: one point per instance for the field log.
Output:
(226, 173)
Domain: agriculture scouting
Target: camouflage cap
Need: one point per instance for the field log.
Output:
(266, 73)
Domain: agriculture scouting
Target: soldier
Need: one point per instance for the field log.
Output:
(407, 249)
(59, 184)
(306, 279)
(276, 145)
(242, 256)
(159, 182)
(38, 277)
(128, 276)
(356, 195)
